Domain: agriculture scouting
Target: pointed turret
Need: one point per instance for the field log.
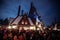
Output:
(32, 8)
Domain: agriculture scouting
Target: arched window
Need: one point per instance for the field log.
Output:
(26, 22)
(22, 22)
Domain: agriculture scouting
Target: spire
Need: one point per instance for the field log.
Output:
(32, 4)
(32, 8)
(18, 10)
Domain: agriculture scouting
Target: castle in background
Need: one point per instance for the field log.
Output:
(31, 20)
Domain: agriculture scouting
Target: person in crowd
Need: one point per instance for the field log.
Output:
(21, 37)
(32, 37)
(1, 34)
(5, 36)
(10, 36)
(28, 34)
(15, 37)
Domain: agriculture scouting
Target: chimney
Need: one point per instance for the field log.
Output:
(18, 10)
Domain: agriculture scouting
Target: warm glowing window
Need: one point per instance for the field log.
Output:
(22, 22)
(26, 23)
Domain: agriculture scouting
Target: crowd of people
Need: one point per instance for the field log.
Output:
(28, 35)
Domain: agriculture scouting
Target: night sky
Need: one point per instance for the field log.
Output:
(48, 9)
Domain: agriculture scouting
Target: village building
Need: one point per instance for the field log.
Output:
(31, 20)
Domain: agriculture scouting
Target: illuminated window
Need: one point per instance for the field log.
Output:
(22, 22)
(26, 23)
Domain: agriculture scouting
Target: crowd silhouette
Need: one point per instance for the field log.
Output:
(28, 35)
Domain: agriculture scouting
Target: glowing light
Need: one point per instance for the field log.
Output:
(9, 27)
(26, 28)
(22, 22)
(39, 25)
(26, 23)
(14, 27)
(20, 28)
(44, 27)
(38, 29)
(55, 28)
(32, 28)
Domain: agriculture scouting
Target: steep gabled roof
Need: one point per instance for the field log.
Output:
(11, 19)
(25, 19)
(16, 20)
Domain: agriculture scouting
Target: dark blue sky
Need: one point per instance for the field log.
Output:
(48, 9)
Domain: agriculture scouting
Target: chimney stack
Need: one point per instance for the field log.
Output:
(18, 10)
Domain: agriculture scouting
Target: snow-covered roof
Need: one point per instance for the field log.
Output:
(30, 21)
(11, 19)
(16, 21)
